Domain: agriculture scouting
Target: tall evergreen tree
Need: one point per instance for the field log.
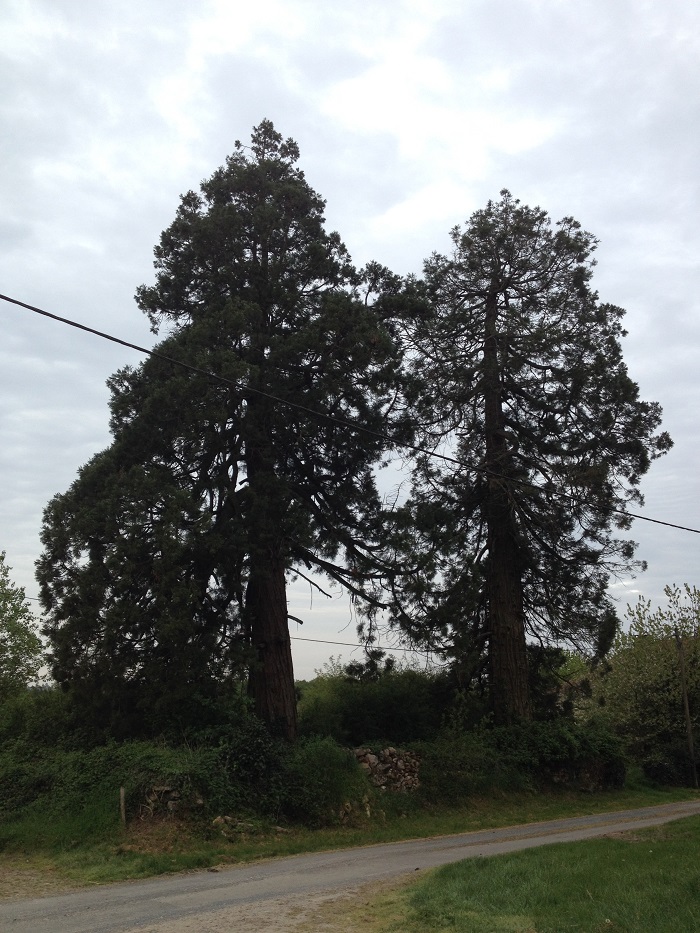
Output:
(166, 564)
(518, 375)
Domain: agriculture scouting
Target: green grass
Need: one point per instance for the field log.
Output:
(642, 882)
(89, 846)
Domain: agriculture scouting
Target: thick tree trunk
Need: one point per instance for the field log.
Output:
(507, 644)
(271, 680)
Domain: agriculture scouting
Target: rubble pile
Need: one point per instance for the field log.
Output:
(390, 769)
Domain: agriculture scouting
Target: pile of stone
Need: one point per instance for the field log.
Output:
(390, 769)
(161, 799)
(230, 827)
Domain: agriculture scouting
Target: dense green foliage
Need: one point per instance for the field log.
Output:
(461, 753)
(379, 701)
(396, 707)
(244, 454)
(165, 565)
(641, 688)
(21, 650)
(527, 756)
(60, 778)
(517, 371)
(50, 782)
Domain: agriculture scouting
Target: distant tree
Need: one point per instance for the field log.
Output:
(518, 375)
(166, 564)
(640, 689)
(21, 650)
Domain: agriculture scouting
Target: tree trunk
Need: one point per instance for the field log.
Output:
(507, 645)
(271, 680)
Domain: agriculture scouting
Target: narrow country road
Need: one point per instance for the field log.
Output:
(209, 902)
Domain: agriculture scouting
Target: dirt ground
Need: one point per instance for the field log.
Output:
(19, 882)
(316, 913)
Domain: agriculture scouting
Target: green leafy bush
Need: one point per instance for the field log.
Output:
(585, 755)
(526, 756)
(243, 769)
(640, 690)
(455, 766)
(319, 778)
(396, 707)
(240, 772)
(46, 717)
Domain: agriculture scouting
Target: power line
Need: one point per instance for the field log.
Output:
(348, 644)
(322, 641)
(342, 422)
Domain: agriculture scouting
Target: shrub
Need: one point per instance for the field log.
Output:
(455, 766)
(561, 751)
(319, 778)
(396, 707)
(640, 691)
(245, 769)
(526, 756)
(45, 717)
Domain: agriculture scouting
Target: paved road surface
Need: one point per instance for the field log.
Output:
(160, 902)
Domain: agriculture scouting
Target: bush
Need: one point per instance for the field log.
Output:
(74, 793)
(640, 690)
(244, 768)
(587, 756)
(319, 778)
(455, 766)
(45, 717)
(48, 763)
(22, 781)
(397, 707)
(527, 756)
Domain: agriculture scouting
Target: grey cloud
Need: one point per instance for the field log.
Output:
(92, 171)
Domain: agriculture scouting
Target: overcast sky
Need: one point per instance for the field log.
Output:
(409, 115)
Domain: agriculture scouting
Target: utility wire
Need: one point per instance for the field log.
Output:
(349, 644)
(321, 641)
(394, 442)
(237, 385)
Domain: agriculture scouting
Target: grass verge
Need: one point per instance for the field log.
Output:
(147, 848)
(639, 882)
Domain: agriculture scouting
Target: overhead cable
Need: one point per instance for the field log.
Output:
(353, 426)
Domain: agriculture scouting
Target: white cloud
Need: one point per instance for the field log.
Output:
(410, 113)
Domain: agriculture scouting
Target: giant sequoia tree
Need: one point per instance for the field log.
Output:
(166, 563)
(519, 376)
